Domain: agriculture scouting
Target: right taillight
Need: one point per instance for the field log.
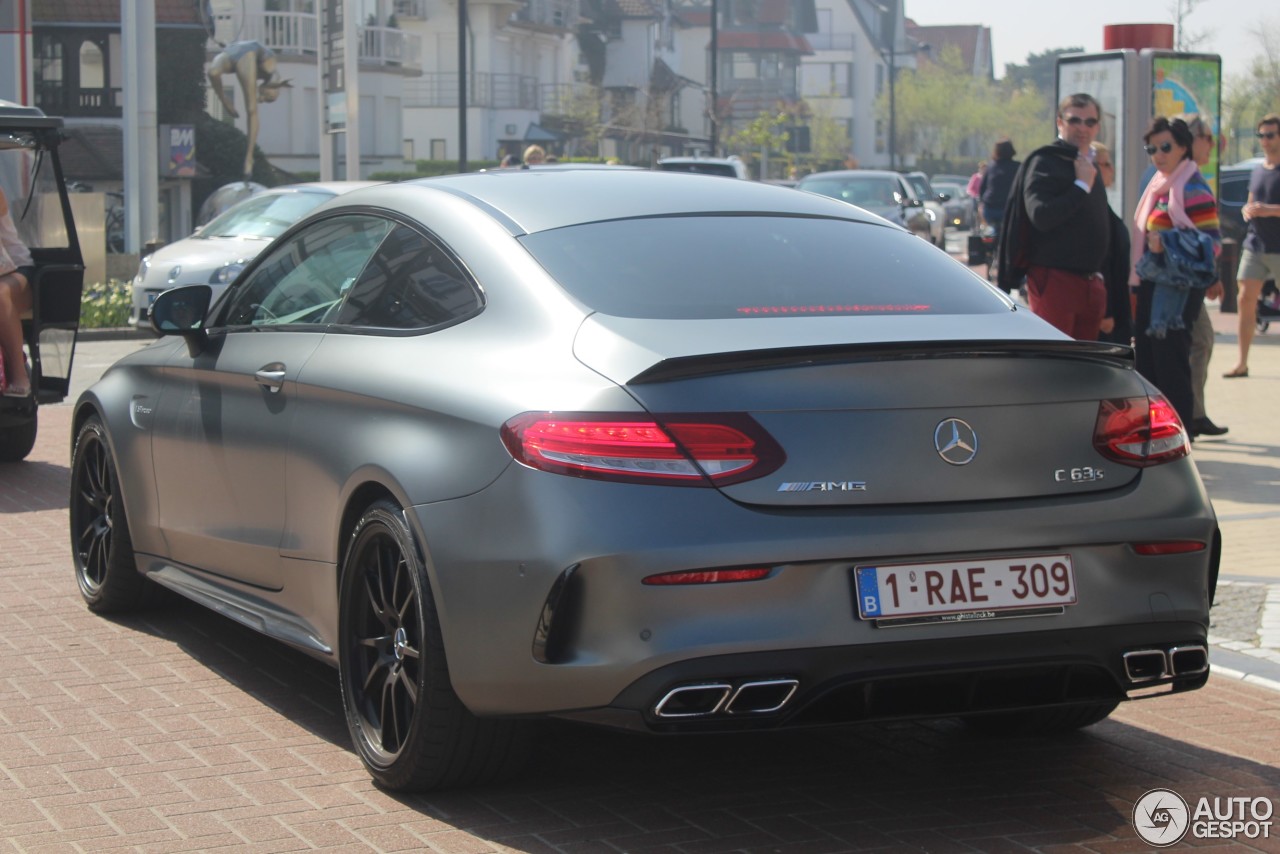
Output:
(1140, 431)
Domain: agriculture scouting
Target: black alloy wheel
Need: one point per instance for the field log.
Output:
(408, 726)
(100, 544)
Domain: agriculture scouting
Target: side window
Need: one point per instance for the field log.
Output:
(304, 279)
(410, 283)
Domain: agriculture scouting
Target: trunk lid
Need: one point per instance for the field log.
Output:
(869, 419)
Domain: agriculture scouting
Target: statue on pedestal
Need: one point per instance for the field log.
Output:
(254, 65)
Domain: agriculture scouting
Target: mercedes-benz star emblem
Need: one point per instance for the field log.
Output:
(956, 441)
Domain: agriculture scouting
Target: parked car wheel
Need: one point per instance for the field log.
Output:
(1042, 721)
(16, 441)
(409, 727)
(101, 547)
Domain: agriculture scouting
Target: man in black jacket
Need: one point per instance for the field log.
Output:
(1057, 226)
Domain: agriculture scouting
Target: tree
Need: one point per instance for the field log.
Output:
(1040, 70)
(829, 141)
(1249, 97)
(764, 134)
(950, 118)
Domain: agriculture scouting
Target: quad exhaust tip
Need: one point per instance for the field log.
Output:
(1149, 665)
(705, 699)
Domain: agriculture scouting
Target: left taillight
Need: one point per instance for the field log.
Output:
(681, 450)
(1140, 431)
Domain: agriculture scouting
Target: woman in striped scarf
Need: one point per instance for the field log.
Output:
(1178, 197)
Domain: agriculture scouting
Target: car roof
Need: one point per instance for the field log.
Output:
(533, 200)
(1244, 165)
(852, 173)
(336, 188)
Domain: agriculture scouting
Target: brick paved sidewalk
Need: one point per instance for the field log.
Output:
(181, 731)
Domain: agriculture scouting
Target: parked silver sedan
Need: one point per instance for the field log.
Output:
(653, 451)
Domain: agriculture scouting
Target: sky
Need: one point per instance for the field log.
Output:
(1020, 27)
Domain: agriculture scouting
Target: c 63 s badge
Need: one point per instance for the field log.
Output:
(1082, 474)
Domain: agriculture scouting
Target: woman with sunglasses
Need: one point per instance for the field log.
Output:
(1178, 197)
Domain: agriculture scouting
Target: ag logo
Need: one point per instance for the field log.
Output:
(1161, 817)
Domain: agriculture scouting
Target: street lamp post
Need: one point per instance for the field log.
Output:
(889, 56)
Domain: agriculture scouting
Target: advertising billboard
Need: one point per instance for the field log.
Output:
(1102, 75)
(1189, 83)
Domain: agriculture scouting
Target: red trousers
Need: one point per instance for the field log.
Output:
(1073, 303)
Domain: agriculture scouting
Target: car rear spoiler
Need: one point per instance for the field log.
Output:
(707, 364)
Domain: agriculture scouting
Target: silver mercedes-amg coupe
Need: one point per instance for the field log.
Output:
(654, 451)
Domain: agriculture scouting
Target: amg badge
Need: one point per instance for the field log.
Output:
(825, 486)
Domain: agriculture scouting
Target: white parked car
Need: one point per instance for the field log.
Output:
(729, 167)
(217, 252)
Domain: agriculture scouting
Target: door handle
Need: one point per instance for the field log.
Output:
(271, 377)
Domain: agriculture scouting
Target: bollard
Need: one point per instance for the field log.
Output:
(1228, 261)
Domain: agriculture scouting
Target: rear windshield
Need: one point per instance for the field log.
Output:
(756, 266)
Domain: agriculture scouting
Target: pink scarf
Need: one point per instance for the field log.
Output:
(1173, 185)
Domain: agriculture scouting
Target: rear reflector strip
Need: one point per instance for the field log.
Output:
(1179, 547)
(716, 576)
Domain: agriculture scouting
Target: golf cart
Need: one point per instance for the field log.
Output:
(33, 183)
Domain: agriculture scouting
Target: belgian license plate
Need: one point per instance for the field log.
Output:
(965, 586)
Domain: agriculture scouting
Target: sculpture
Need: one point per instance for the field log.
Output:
(254, 65)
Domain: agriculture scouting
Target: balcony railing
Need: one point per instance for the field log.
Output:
(830, 41)
(554, 14)
(284, 32)
(497, 91)
(298, 33)
(389, 46)
(412, 10)
(57, 100)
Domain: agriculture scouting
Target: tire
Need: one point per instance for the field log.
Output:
(407, 724)
(1050, 721)
(101, 548)
(17, 440)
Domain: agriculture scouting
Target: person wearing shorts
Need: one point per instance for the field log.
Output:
(1260, 257)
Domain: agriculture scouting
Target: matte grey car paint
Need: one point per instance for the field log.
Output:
(258, 531)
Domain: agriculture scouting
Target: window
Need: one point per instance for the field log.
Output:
(826, 79)
(410, 283)
(754, 266)
(438, 150)
(92, 75)
(304, 280)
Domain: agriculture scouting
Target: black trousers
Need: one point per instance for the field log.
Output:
(1167, 361)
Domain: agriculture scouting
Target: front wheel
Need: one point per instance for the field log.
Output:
(408, 726)
(101, 547)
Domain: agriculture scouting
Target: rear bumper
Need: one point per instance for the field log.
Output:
(913, 679)
(538, 584)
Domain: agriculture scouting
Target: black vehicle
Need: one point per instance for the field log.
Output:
(37, 192)
(1233, 192)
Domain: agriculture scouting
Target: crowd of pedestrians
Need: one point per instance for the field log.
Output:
(1094, 276)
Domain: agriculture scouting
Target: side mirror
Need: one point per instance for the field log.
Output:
(944, 197)
(181, 311)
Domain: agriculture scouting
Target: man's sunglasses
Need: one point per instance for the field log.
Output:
(1075, 120)
(1166, 147)
(1267, 134)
